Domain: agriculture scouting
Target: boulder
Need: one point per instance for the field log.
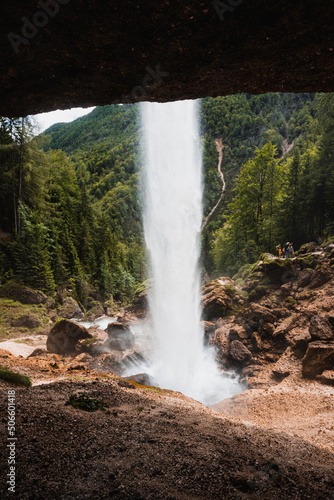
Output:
(320, 329)
(322, 276)
(121, 331)
(22, 294)
(239, 352)
(305, 276)
(238, 332)
(278, 271)
(258, 312)
(218, 297)
(64, 337)
(298, 339)
(312, 246)
(116, 344)
(27, 321)
(286, 289)
(70, 309)
(318, 358)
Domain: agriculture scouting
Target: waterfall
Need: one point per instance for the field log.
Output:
(173, 188)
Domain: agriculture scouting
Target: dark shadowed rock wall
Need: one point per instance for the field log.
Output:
(65, 53)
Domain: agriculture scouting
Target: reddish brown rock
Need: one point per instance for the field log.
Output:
(64, 337)
(298, 339)
(305, 277)
(322, 276)
(258, 312)
(239, 352)
(318, 358)
(320, 329)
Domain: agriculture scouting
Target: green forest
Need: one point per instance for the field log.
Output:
(70, 204)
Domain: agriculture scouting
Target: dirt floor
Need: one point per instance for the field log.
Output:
(272, 443)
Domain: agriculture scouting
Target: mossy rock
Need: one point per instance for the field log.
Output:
(14, 378)
(83, 401)
(22, 294)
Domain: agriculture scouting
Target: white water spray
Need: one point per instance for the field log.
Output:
(172, 225)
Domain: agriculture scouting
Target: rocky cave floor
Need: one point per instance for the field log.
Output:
(272, 441)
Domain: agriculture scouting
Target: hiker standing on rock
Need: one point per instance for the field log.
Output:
(287, 249)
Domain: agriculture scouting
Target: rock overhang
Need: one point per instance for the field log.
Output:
(69, 53)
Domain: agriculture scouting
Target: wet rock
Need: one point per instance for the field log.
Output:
(140, 378)
(218, 297)
(320, 329)
(121, 332)
(27, 321)
(209, 328)
(116, 344)
(318, 358)
(133, 359)
(22, 294)
(70, 309)
(239, 352)
(64, 337)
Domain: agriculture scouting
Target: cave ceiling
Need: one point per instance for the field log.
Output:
(58, 54)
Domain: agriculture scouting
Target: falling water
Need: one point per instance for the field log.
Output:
(172, 223)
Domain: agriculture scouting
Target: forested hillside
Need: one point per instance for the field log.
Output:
(70, 213)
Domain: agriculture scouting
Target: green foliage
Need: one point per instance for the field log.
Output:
(70, 213)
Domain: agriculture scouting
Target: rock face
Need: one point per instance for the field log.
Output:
(318, 358)
(22, 294)
(286, 331)
(120, 336)
(159, 51)
(64, 337)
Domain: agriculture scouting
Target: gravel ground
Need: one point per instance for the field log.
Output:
(151, 444)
